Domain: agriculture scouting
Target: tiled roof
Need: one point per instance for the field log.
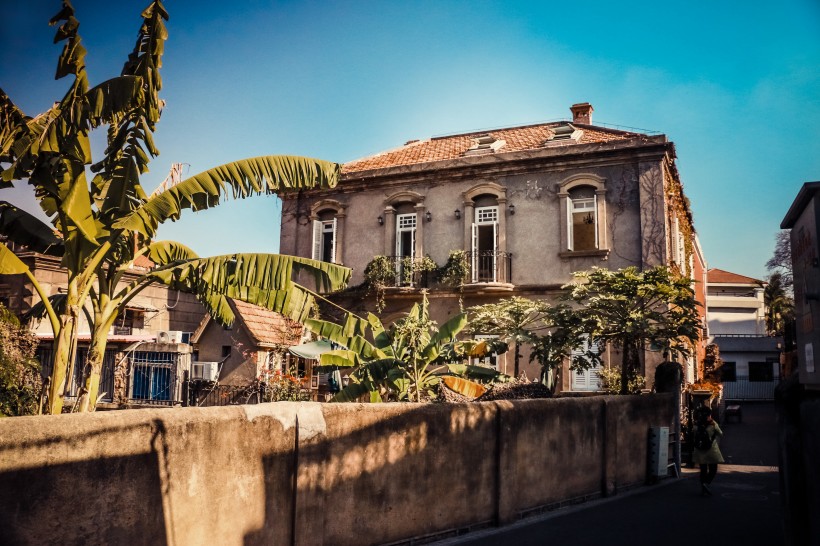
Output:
(267, 326)
(529, 137)
(715, 275)
(143, 262)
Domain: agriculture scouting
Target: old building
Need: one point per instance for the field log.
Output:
(528, 205)
(255, 345)
(147, 355)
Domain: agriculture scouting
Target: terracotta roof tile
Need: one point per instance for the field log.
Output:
(268, 326)
(715, 275)
(529, 137)
(143, 262)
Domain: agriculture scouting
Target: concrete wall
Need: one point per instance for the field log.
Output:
(308, 473)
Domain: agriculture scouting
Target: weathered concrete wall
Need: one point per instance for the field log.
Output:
(307, 473)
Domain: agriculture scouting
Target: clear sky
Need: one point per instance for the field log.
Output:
(735, 84)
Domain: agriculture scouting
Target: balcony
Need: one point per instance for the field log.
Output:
(490, 266)
(408, 272)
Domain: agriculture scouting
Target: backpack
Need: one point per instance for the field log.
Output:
(702, 439)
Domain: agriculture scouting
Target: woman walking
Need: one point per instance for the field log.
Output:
(707, 452)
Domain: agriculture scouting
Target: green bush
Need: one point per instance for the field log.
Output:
(20, 380)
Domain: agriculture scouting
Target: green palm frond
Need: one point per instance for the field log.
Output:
(167, 252)
(10, 264)
(337, 334)
(254, 176)
(25, 229)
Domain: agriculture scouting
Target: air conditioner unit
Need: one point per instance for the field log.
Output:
(169, 336)
(204, 371)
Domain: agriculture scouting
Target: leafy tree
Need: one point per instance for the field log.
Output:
(104, 225)
(630, 308)
(400, 364)
(779, 304)
(564, 330)
(20, 383)
(781, 260)
(514, 320)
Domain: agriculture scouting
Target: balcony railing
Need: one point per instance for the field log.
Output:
(490, 266)
(407, 273)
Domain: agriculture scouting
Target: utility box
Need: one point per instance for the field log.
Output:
(658, 452)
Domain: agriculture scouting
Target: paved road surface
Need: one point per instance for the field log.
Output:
(744, 508)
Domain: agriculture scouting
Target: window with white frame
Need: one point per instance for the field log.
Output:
(589, 379)
(678, 252)
(324, 240)
(485, 244)
(406, 235)
(582, 219)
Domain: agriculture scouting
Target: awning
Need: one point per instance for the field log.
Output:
(311, 350)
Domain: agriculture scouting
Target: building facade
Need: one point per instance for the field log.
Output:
(736, 313)
(527, 206)
(147, 356)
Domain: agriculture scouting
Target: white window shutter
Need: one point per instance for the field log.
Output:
(317, 240)
(495, 251)
(569, 223)
(475, 253)
(333, 244)
(595, 215)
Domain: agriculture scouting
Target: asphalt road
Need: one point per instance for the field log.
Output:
(744, 509)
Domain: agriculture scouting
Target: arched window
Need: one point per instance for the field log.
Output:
(485, 208)
(328, 227)
(403, 213)
(583, 207)
(582, 219)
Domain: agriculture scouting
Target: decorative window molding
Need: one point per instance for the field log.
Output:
(485, 231)
(327, 217)
(583, 210)
(393, 243)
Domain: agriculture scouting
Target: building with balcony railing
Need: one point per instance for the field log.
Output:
(525, 206)
(736, 314)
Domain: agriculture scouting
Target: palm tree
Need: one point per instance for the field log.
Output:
(779, 305)
(104, 225)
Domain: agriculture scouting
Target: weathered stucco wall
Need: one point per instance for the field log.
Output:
(308, 473)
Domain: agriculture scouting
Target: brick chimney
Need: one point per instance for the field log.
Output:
(582, 113)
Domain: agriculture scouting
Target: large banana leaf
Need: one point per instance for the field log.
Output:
(10, 264)
(260, 279)
(167, 252)
(447, 333)
(337, 334)
(25, 229)
(13, 125)
(340, 358)
(254, 176)
(117, 187)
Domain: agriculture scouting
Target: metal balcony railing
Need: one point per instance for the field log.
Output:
(490, 266)
(408, 273)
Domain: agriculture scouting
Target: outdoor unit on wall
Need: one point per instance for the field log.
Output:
(169, 336)
(204, 371)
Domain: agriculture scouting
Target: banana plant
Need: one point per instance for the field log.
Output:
(103, 225)
(402, 363)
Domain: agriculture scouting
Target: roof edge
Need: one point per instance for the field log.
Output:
(805, 194)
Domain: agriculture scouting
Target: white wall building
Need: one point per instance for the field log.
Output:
(736, 315)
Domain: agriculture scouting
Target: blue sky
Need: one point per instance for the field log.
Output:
(736, 85)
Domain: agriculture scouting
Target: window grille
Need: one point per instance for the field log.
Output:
(486, 215)
(153, 377)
